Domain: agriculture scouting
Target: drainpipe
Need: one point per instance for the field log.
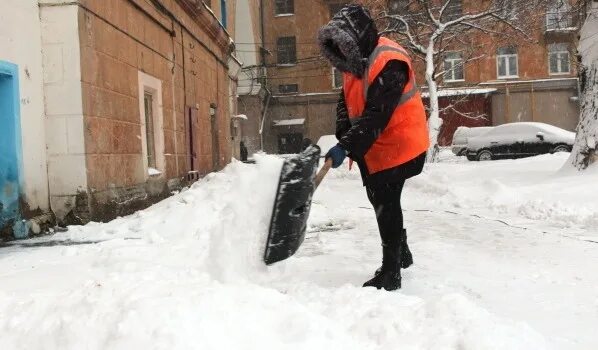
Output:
(264, 120)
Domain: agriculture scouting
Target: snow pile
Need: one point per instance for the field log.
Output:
(531, 188)
(185, 274)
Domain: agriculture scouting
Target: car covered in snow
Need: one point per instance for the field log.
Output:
(518, 140)
(459, 145)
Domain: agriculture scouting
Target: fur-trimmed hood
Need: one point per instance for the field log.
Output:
(348, 39)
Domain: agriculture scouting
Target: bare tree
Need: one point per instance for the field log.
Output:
(435, 29)
(584, 152)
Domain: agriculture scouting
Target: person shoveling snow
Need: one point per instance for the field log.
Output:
(381, 125)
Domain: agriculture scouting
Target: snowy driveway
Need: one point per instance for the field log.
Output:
(504, 259)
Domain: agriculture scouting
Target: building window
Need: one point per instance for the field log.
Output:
(337, 79)
(286, 50)
(506, 61)
(285, 7)
(148, 103)
(288, 88)
(151, 120)
(453, 11)
(558, 15)
(223, 12)
(558, 59)
(453, 67)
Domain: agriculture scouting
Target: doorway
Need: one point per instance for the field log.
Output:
(290, 143)
(10, 146)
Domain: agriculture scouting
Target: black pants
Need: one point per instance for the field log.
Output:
(386, 200)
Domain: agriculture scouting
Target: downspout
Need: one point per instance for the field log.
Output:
(264, 120)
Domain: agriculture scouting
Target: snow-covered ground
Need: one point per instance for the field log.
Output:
(505, 258)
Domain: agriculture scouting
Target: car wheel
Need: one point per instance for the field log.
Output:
(484, 156)
(561, 148)
(462, 152)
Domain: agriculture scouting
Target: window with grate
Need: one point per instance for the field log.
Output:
(558, 59)
(288, 88)
(453, 67)
(337, 79)
(286, 49)
(558, 15)
(285, 7)
(507, 62)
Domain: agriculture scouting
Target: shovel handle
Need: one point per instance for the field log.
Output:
(322, 173)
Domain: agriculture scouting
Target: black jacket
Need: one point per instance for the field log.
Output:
(357, 138)
(347, 41)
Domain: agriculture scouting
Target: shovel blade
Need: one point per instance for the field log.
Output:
(292, 205)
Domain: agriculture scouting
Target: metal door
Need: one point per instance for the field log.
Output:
(10, 148)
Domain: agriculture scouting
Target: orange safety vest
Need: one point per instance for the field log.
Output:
(406, 135)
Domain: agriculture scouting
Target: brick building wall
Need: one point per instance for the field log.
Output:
(178, 54)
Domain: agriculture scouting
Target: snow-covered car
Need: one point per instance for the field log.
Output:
(459, 145)
(518, 140)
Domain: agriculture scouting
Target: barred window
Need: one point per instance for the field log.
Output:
(285, 7)
(558, 15)
(288, 88)
(286, 50)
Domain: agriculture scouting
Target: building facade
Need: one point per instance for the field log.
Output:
(122, 101)
(296, 90)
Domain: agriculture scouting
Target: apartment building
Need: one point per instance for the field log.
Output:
(294, 91)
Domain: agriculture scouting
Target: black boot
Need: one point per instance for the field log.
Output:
(389, 276)
(406, 256)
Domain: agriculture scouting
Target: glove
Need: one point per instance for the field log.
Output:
(337, 154)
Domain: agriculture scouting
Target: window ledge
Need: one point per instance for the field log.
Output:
(286, 65)
(152, 172)
(508, 77)
(559, 74)
(284, 15)
(455, 81)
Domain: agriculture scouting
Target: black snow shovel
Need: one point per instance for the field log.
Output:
(296, 186)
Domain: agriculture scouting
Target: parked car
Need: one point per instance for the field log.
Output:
(459, 146)
(518, 140)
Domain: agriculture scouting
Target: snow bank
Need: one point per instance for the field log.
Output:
(185, 274)
(532, 188)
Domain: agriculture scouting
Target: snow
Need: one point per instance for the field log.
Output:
(153, 172)
(521, 132)
(185, 273)
(326, 142)
(289, 122)
(460, 92)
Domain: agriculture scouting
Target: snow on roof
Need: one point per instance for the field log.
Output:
(289, 122)
(240, 116)
(459, 92)
(555, 130)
